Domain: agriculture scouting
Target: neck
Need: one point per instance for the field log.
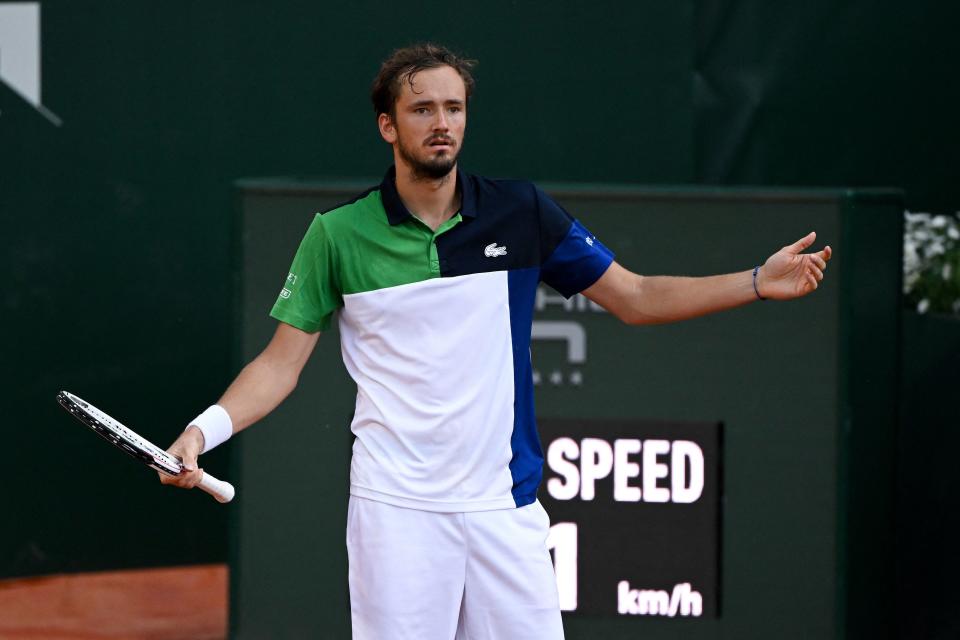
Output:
(432, 200)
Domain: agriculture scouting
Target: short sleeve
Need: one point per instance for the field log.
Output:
(572, 258)
(311, 292)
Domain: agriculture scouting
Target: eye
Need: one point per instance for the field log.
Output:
(421, 110)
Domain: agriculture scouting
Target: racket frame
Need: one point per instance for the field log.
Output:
(135, 445)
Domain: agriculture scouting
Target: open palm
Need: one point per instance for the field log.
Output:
(790, 273)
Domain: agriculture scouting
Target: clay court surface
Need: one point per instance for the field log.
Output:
(183, 603)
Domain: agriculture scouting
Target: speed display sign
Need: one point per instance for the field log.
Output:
(635, 513)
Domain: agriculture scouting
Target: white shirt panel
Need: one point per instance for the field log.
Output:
(433, 364)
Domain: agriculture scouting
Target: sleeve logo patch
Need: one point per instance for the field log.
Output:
(285, 293)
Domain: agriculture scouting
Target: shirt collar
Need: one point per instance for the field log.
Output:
(397, 212)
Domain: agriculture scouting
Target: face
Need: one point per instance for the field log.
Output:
(431, 116)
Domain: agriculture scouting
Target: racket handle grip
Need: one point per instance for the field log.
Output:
(222, 491)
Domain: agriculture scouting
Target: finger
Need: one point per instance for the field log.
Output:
(802, 243)
(179, 480)
(191, 479)
(188, 461)
(817, 273)
(826, 253)
(818, 260)
(189, 476)
(185, 479)
(811, 281)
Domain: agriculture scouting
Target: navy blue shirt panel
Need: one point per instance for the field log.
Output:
(515, 225)
(503, 234)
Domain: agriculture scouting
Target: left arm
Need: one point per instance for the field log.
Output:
(637, 299)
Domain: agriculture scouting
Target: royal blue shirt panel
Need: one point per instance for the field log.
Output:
(578, 261)
(526, 463)
(572, 258)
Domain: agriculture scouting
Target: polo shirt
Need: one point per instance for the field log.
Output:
(435, 331)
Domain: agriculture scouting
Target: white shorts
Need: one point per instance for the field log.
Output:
(422, 575)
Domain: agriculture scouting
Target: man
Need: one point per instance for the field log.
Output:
(434, 275)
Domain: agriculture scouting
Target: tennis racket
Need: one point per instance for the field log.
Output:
(143, 450)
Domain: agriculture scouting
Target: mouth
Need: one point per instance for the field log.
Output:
(440, 144)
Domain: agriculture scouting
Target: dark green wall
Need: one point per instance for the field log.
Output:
(927, 503)
(824, 92)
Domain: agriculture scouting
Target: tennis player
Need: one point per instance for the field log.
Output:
(433, 274)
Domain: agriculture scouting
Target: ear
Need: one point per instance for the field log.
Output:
(388, 130)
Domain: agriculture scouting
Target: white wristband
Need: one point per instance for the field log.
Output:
(215, 425)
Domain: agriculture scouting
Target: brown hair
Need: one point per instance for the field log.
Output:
(404, 63)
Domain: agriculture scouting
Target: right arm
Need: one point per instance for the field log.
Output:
(269, 378)
(260, 387)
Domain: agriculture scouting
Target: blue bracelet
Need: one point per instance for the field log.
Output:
(755, 290)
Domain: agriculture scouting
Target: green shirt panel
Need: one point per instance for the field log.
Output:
(355, 249)
(312, 291)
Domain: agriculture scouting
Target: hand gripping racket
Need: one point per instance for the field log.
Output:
(136, 446)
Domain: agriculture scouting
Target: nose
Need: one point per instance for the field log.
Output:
(440, 124)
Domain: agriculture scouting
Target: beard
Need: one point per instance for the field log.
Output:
(433, 167)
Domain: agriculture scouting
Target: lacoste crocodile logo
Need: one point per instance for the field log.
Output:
(492, 250)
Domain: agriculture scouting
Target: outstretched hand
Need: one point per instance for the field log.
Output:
(789, 273)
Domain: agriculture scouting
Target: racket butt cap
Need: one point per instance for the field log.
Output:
(222, 491)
